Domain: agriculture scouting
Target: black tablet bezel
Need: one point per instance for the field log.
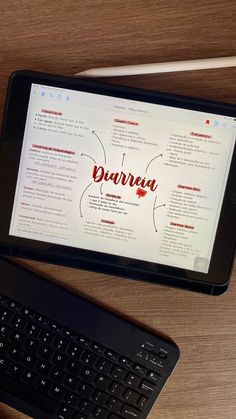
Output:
(11, 142)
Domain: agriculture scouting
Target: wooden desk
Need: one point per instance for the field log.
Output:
(63, 37)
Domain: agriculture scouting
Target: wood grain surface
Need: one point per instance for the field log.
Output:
(68, 36)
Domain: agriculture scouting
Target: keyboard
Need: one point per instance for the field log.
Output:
(64, 357)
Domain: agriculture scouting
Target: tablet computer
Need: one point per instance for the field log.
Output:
(119, 180)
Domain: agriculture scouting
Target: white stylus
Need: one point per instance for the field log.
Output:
(188, 65)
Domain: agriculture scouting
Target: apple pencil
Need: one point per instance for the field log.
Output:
(188, 65)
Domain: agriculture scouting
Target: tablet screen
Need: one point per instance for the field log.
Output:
(122, 177)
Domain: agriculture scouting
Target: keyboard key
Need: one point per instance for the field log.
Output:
(45, 352)
(5, 331)
(28, 394)
(55, 327)
(46, 337)
(4, 346)
(44, 385)
(4, 363)
(71, 399)
(114, 404)
(131, 396)
(31, 345)
(43, 367)
(142, 402)
(29, 377)
(69, 334)
(73, 367)
(13, 305)
(86, 406)
(88, 374)
(113, 356)
(130, 412)
(103, 365)
(126, 363)
(15, 370)
(65, 412)
(100, 413)
(103, 383)
(17, 338)
(41, 320)
(29, 361)
(59, 359)
(139, 369)
(57, 374)
(147, 388)
(15, 354)
(118, 373)
(57, 392)
(132, 380)
(85, 390)
(32, 330)
(84, 342)
(60, 344)
(89, 358)
(74, 351)
(99, 349)
(27, 313)
(18, 322)
(71, 382)
(5, 315)
(117, 389)
(100, 398)
(153, 376)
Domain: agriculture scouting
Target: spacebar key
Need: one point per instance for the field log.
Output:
(27, 394)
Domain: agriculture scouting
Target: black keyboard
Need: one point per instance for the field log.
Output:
(64, 357)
